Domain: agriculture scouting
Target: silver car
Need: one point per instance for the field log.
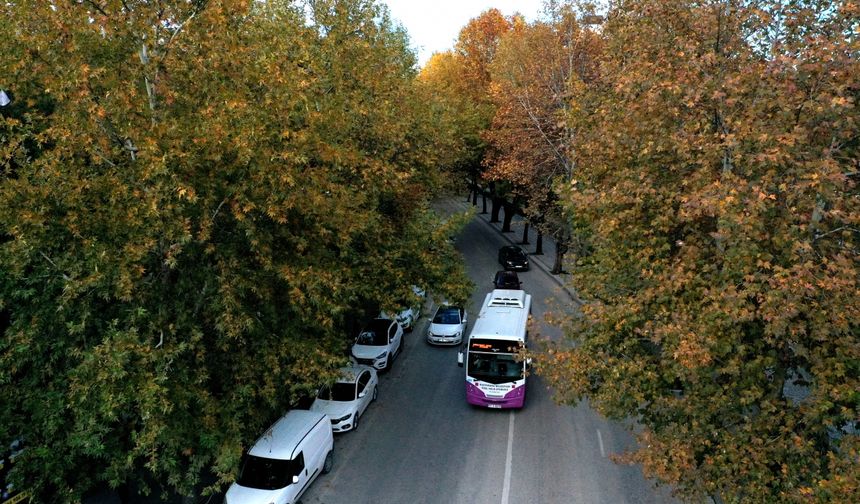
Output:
(447, 325)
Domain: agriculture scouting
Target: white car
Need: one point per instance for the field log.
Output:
(447, 326)
(346, 399)
(410, 315)
(378, 344)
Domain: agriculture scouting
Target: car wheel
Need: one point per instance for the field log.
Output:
(329, 462)
(355, 422)
(375, 393)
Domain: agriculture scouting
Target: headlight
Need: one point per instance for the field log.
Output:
(457, 335)
(341, 419)
(382, 355)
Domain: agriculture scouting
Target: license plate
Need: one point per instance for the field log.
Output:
(496, 406)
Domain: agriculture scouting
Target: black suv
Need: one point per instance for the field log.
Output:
(507, 280)
(512, 257)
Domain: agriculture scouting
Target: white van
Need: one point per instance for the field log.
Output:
(285, 460)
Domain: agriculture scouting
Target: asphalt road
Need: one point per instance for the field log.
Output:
(421, 443)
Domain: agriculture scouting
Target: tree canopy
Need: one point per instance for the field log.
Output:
(704, 158)
(195, 196)
(530, 143)
(716, 181)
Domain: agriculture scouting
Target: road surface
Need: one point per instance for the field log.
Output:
(421, 443)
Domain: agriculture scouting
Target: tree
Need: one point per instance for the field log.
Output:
(716, 179)
(458, 116)
(530, 141)
(476, 48)
(189, 215)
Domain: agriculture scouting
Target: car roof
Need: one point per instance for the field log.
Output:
(446, 306)
(279, 440)
(349, 374)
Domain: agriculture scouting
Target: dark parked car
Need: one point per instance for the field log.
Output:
(512, 257)
(507, 280)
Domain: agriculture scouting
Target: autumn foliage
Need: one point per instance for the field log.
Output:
(702, 158)
(530, 142)
(196, 197)
(716, 181)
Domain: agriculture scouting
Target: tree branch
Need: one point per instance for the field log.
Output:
(97, 7)
(65, 277)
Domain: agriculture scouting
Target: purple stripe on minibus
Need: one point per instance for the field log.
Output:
(513, 399)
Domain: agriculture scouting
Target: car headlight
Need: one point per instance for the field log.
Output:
(457, 334)
(382, 355)
(341, 419)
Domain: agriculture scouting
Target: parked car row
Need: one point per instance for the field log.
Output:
(287, 458)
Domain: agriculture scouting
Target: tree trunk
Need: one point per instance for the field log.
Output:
(561, 246)
(475, 195)
(539, 244)
(525, 240)
(484, 200)
(509, 216)
(497, 206)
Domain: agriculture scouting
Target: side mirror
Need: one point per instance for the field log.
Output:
(362, 394)
(295, 478)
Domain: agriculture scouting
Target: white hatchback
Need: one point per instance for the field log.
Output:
(408, 317)
(447, 325)
(346, 399)
(378, 343)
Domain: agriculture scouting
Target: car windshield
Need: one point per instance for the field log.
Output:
(447, 316)
(267, 474)
(338, 392)
(516, 254)
(372, 338)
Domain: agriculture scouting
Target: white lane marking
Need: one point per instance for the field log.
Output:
(600, 442)
(506, 488)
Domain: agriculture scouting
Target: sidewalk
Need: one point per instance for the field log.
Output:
(544, 261)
